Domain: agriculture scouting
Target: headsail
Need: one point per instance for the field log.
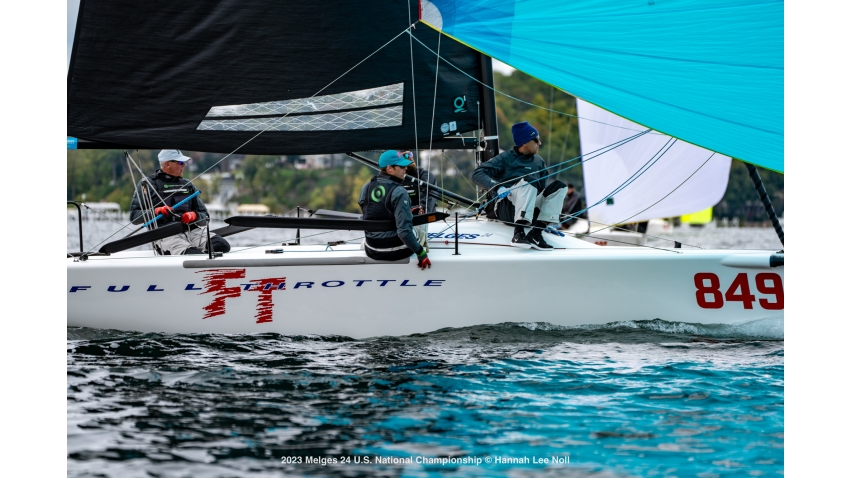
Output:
(208, 75)
(709, 72)
(657, 163)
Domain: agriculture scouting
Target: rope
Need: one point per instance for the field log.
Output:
(607, 148)
(649, 163)
(665, 197)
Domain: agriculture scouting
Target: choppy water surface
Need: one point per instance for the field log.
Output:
(626, 399)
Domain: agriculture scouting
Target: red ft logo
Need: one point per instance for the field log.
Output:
(215, 282)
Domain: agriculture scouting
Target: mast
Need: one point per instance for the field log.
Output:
(488, 110)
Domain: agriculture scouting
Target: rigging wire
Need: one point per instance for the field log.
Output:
(433, 113)
(413, 86)
(566, 140)
(271, 124)
(146, 205)
(650, 162)
(607, 148)
(665, 197)
(551, 104)
(581, 157)
(517, 99)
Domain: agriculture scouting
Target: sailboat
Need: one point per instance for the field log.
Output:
(666, 178)
(307, 78)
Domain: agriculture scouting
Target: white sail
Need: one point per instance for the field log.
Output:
(604, 174)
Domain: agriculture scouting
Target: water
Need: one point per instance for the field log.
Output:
(647, 398)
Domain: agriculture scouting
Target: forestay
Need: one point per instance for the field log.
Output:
(709, 72)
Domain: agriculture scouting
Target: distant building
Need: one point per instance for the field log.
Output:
(252, 210)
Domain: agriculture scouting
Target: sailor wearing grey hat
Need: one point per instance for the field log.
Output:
(384, 198)
(158, 193)
(517, 180)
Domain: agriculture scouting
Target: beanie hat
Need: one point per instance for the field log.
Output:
(523, 133)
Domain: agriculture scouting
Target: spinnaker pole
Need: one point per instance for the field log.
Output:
(765, 200)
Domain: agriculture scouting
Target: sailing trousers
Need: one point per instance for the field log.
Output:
(422, 236)
(525, 201)
(196, 238)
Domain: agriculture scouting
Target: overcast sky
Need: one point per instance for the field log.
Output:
(74, 5)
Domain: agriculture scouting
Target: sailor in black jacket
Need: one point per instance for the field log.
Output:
(159, 192)
(518, 177)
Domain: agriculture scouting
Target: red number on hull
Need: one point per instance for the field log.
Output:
(775, 290)
(741, 282)
(713, 289)
(769, 283)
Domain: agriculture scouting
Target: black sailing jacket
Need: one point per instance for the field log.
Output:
(172, 189)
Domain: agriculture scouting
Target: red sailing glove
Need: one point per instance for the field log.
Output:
(164, 210)
(189, 217)
(424, 262)
(417, 210)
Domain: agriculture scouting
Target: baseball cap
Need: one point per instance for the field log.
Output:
(392, 157)
(172, 155)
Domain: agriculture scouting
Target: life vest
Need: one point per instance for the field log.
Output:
(378, 208)
(173, 192)
(413, 189)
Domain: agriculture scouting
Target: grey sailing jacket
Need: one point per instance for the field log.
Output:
(400, 205)
(507, 168)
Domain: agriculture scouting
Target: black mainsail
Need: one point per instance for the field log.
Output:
(209, 75)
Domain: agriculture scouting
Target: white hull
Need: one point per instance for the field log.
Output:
(489, 282)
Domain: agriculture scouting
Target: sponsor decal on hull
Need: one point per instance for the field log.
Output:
(214, 282)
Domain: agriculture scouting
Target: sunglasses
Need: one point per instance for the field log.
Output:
(181, 163)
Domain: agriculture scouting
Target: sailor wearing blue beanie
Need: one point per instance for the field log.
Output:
(523, 133)
(516, 180)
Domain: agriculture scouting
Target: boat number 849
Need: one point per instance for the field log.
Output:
(768, 284)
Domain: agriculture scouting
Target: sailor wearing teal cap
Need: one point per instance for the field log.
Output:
(517, 179)
(383, 198)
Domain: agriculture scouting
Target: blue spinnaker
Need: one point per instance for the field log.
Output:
(709, 72)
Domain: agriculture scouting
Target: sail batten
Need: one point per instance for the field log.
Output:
(311, 77)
